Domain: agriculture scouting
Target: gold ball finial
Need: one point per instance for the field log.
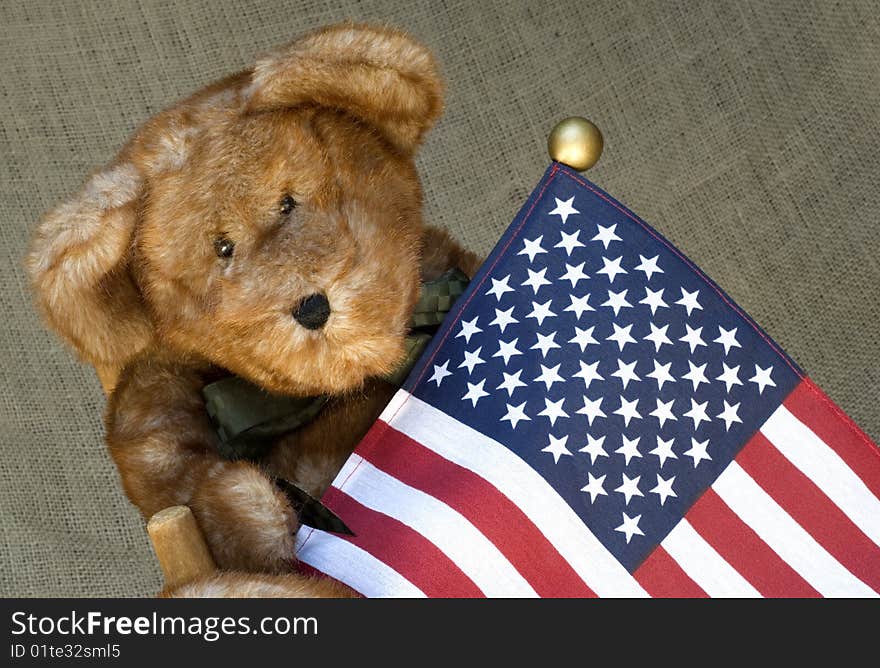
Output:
(575, 142)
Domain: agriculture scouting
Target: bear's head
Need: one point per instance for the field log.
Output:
(271, 223)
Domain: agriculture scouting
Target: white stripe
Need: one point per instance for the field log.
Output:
(348, 563)
(704, 565)
(809, 453)
(449, 530)
(785, 536)
(491, 460)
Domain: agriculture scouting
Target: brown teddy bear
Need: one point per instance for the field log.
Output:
(269, 226)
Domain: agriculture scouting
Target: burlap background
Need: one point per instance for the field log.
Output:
(747, 132)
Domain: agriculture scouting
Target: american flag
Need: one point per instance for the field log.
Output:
(597, 418)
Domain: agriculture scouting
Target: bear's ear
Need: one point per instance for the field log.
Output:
(78, 264)
(377, 74)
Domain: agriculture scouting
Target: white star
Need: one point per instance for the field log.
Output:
(698, 451)
(594, 487)
(511, 382)
(663, 450)
(649, 266)
(594, 448)
(627, 410)
(626, 372)
(440, 372)
(654, 299)
(532, 248)
(541, 311)
(563, 209)
(629, 449)
(553, 410)
(515, 414)
(545, 343)
(693, 338)
(689, 300)
(621, 335)
(730, 377)
(696, 375)
(588, 373)
(762, 378)
(475, 392)
(630, 527)
(664, 489)
(579, 305)
(574, 274)
(617, 301)
(500, 287)
(549, 376)
(583, 337)
(658, 336)
(569, 241)
(697, 413)
(503, 319)
(612, 268)
(663, 412)
(629, 488)
(606, 235)
(471, 359)
(591, 409)
(468, 329)
(536, 279)
(661, 374)
(557, 448)
(727, 339)
(507, 349)
(729, 415)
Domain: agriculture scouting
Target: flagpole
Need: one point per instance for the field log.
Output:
(180, 546)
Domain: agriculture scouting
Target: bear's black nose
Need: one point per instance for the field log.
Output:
(312, 312)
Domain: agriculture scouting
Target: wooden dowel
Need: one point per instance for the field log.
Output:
(180, 546)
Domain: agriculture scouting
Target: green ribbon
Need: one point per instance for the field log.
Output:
(437, 297)
(247, 417)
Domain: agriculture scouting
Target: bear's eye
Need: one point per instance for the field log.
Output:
(224, 247)
(287, 205)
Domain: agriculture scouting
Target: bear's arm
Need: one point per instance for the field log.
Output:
(161, 438)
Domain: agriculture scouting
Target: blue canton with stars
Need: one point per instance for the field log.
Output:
(589, 347)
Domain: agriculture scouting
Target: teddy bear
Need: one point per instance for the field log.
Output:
(268, 228)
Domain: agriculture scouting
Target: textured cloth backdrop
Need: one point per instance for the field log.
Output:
(746, 132)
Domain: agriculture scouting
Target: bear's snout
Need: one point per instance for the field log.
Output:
(313, 311)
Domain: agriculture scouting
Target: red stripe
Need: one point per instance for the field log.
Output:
(662, 577)
(401, 548)
(812, 509)
(813, 407)
(502, 522)
(744, 550)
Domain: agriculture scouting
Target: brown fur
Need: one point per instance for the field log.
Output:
(233, 584)
(127, 273)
